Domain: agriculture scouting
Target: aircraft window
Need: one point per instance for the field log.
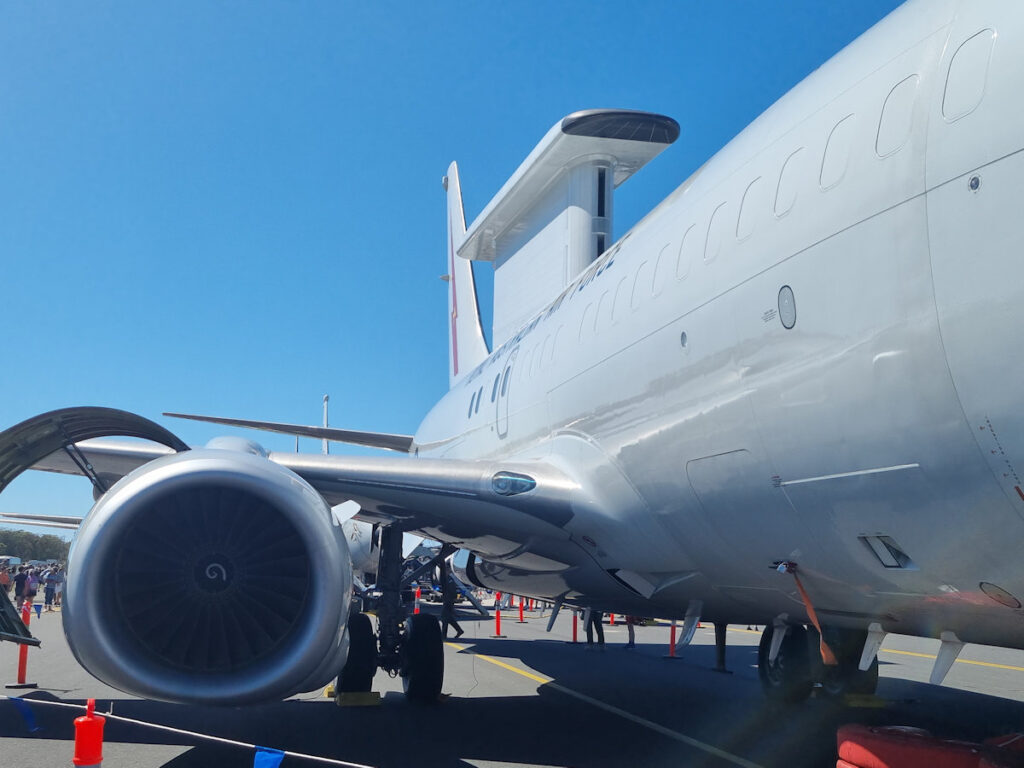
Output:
(479, 397)
(716, 233)
(603, 315)
(661, 270)
(897, 117)
(586, 321)
(641, 285)
(789, 183)
(687, 246)
(968, 73)
(494, 389)
(470, 411)
(753, 204)
(504, 382)
(619, 304)
(837, 154)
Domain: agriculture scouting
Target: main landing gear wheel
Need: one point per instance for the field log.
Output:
(846, 678)
(423, 658)
(788, 678)
(357, 674)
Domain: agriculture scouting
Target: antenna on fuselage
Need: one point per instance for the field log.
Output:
(326, 450)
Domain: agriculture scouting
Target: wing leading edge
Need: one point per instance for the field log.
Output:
(492, 507)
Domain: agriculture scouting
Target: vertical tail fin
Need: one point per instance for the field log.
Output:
(466, 345)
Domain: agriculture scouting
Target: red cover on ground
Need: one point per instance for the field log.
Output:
(889, 747)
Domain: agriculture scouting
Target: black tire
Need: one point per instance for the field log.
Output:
(788, 679)
(422, 659)
(846, 678)
(361, 665)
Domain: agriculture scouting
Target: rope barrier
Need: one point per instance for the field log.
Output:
(201, 736)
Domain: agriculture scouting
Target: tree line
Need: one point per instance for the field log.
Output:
(33, 546)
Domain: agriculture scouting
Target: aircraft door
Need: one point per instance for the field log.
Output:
(504, 389)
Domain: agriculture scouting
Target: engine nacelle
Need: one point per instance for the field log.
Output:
(210, 576)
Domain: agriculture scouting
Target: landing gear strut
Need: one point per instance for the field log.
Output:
(409, 646)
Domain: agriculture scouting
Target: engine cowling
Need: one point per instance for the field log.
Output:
(210, 576)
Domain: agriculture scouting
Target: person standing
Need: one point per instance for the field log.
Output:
(449, 593)
(631, 622)
(31, 586)
(19, 587)
(58, 589)
(5, 580)
(49, 586)
(595, 624)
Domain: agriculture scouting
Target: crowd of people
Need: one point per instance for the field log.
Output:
(28, 581)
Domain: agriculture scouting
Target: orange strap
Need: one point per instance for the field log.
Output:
(827, 657)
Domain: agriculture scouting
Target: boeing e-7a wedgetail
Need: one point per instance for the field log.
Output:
(788, 396)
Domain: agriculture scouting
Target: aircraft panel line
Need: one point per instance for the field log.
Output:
(876, 471)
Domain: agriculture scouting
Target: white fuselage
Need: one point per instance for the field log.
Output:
(883, 192)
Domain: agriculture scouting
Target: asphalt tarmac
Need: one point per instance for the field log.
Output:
(530, 699)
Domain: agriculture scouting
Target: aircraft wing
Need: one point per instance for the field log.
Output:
(446, 499)
(489, 506)
(384, 440)
(111, 458)
(46, 521)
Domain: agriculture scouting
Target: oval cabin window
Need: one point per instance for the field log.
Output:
(968, 73)
(717, 232)
(897, 119)
(752, 207)
(687, 246)
(789, 183)
(837, 154)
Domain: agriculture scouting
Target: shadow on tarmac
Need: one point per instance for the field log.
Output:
(553, 727)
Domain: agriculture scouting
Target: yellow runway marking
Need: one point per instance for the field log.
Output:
(958, 661)
(676, 735)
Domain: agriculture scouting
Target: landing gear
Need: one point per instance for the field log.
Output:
(846, 677)
(798, 664)
(410, 646)
(361, 666)
(787, 679)
(423, 658)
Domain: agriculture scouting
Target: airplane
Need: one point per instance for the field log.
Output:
(787, 396)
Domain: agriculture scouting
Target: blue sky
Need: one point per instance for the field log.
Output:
(233, 208)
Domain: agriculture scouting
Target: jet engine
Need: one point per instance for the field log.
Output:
(210, 576)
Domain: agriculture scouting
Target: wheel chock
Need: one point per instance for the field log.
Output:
(358, 699)
(864, 701)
